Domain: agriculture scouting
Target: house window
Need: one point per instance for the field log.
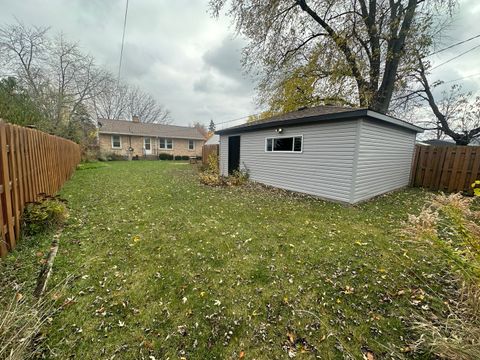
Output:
(116, 142)
(284, 144)
(146, 143)
(166, 143)
(191, 144)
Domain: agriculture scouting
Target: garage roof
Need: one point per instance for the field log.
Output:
(318, 114)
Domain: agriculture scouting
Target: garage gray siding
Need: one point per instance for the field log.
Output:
(384, 159)
(324, 168)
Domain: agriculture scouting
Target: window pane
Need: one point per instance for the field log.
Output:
(283, 144)
(191, 144)
(147, 143)
(116, 141)
(297, 146)
(269, 144)
(162, 143)
(169, 144)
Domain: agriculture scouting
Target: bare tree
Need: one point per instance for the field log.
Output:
(74, 79)
(111, 99)
(364, 47)
(55, 73)
(66, 84)
(23, 52)
(117, 100)
(143, 105)
(456, 114)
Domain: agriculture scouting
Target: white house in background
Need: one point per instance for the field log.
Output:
(336, 153)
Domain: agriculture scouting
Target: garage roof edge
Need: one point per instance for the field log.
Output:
(344, 115)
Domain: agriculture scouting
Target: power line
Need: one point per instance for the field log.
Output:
(454, 45)
(236, 119)
(123, 41)
(456, 57)
(462, 78)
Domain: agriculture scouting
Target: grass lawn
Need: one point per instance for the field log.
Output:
(164, 267)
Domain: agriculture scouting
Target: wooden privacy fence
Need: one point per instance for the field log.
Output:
(207, 150)
(32, 163)
(446, 168)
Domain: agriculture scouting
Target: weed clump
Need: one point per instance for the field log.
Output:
(210, 174)
(449, 223)
(44, 215)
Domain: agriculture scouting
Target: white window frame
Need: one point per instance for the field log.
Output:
(120, 140)
(166, 143)
(193, 142)
(149, 143)
(284, 151)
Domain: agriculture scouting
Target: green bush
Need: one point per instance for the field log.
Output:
(165, 156)
(47, 214)
(115, 157)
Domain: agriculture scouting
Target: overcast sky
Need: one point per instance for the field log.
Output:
(188, 60)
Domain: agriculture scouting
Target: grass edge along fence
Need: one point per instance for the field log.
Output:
(32, 164)
(446, 168)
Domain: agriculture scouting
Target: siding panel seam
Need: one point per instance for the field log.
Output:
(355, 161)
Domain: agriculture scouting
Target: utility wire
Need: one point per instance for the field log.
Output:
(456, 57)
(236, 119)
(454, 45)
(123, 41)
(462, 78)
(434, 53)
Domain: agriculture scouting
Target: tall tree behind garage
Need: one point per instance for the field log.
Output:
(366, 47)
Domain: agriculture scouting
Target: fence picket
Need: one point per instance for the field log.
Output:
(207, 150)
(31, 163)
(446, 168)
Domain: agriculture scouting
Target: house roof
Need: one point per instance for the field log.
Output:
(124, 127)
(317, 114)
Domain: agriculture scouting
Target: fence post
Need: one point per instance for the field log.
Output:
(7, 187)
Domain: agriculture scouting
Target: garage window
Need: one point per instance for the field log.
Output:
(284, 144)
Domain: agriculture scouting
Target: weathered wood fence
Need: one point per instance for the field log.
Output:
(32, 164)
(446, 168)
(207, 150)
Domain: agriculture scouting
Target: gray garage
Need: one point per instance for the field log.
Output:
(336, 153)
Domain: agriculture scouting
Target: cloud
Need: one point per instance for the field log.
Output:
(226, 57)
(189, 61)
(464, 25)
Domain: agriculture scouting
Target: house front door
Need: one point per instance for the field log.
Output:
(147, 146)
(233, 153)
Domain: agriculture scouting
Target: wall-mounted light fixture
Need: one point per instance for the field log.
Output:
(279, 130)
